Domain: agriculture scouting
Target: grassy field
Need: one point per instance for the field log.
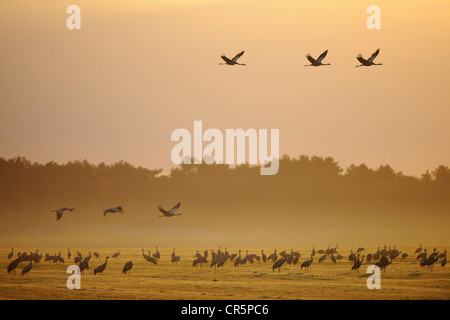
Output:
(403, 280)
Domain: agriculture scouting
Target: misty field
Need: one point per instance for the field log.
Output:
(167, 280)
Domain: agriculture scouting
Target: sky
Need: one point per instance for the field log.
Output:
(137, 70)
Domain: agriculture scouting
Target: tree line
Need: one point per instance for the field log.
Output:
(310, 194)
(25, 183)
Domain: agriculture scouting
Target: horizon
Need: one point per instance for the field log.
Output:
(231, 166)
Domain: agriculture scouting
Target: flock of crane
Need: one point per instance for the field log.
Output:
(314, 62)
(382, 259)
(119, 209)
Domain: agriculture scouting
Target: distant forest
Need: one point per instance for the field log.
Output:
(303, 185)
(24, 183)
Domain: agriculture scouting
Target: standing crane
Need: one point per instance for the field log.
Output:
(383, 263)
(278, 264)
(214, 259)
(322, 258)
(127, 267)
(376, 256)
(157, 255)
(174, 257)
(273, 256)
(83, 266)
(404, 256)
(86, 259)
(237, 261)
(351, 256)
(418, 250)
(307, 264)
(444, 261)
(13, 265)
(333, 258)
(116, 255)
(263, 256)
(357, 263)
(151, 259)
(27, 268)
(222, 260)
(423, 255)
(101, 268)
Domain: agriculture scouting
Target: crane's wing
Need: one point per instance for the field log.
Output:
(311, 59)
(119, 208)
(322, 56)
(175, 208)
(163, 211)
(361, 59)
(226, 59)
(58, 215)
(374, 55)
(238, 56)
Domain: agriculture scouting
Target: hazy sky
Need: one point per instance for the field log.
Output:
(137, 70)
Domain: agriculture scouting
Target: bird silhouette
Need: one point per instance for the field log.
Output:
(27, 268)
(357, 264)
(117, 209)
(278, 264)
(369, 62)
(174, 257)
(127, 267)
(444, 260)
(60, 211)
(306, 264)
(317, 62)
(149, 258)
(232, 62)
(13, 265)
(404, 256)
(83, 266)
(273, 256)
(418, 250)
(101, 268)
(170, 213)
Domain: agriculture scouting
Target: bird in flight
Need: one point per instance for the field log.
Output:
(317, 62)
(60, 211)
(170, 213)
(117, 209)
(369, 62)
(233, 61)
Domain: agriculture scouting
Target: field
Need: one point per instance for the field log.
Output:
(168, 281)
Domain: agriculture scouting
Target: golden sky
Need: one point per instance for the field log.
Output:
(137, 70)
